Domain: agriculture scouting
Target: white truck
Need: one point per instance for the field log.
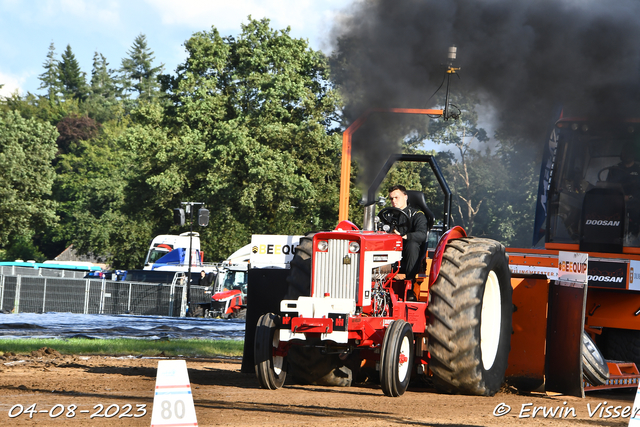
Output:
(169, 252)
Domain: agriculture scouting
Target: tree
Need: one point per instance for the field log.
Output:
(138, 73)
(91, 189)
(73, 129)
(27, 148)
(74, 84)
(21, 246)
(463, 134)
(51, 77)
(102, 103)
(488, 202)
(248, 134)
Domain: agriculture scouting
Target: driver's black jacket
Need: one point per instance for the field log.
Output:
(417, 228)
(416, 232)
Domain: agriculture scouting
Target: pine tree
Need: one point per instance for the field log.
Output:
(51, 77)
(102, 83)
(138, 73)
(74, 84)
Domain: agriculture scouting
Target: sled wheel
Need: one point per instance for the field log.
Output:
(396, 358)
(621, 344)
(271, 370)
(594, 368)
(469, 322)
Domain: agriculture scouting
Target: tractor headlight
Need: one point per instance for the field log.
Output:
(323, 245)
(354, 247)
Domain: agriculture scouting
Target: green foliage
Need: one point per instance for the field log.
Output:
(91, 188)
(102, 103)
(247, 135)
(72, 79)
(27, 148)
(494, 185)
(137, 72)
(50, 78)
(21, 246)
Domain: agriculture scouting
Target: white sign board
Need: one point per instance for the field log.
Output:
(270, 250)
(634, 275)
(573, 267)
(172, 400)
(550, 272)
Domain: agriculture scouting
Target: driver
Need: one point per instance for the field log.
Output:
(414, 236)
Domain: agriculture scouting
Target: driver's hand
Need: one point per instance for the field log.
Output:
(403, 237)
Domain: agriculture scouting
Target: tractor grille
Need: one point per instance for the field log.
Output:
(332, 275)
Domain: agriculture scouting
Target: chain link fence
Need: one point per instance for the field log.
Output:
(47, 292)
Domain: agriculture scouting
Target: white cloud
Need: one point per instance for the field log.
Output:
(11, 84)
(307, 18)
(51, 11)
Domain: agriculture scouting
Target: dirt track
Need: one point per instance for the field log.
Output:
(224, 396)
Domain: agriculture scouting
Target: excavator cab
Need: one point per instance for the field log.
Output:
(591, 207)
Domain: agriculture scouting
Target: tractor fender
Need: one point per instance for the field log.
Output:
(455, 233)
(225, 295)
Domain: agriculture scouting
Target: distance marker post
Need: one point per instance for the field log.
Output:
(172, 401)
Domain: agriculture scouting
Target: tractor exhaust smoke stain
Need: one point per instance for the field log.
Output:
(521, 58)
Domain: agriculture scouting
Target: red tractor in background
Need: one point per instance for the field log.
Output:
(343, 300)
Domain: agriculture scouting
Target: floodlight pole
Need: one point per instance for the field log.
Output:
(190, 209)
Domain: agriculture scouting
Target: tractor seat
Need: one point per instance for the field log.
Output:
(416, 200)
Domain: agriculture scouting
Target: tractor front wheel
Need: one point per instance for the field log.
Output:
(271, 369)
(396, 358)
(470, 313)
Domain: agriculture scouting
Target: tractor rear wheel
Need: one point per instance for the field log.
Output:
(594, 367)
(271, 369)
(396, 358)
(470, 313)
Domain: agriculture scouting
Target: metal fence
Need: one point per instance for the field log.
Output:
(12, 270)
(41, 294)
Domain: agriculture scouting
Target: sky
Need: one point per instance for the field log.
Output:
(28, 27)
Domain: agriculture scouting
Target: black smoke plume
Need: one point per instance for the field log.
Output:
(523, 57)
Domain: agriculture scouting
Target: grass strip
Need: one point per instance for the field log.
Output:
(126, 346)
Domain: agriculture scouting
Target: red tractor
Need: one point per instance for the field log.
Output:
(344, 305)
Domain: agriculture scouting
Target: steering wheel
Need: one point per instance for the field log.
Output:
(394, 217)
(602, 170)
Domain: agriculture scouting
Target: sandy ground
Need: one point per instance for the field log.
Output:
(225, 396)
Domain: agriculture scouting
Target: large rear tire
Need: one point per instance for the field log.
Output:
(396, 358)
(309, 364)
(271, 369)
(469, 322)
(594, 368)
